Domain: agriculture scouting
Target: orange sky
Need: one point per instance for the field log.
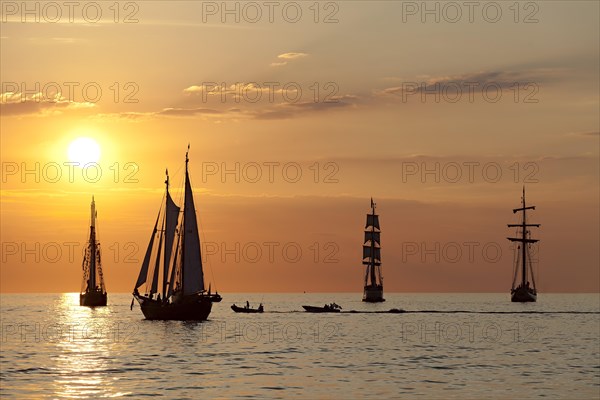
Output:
(342, 104)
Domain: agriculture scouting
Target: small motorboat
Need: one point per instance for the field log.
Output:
(247, 309)
(328, 308)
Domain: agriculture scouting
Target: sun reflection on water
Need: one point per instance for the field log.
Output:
(83, 353)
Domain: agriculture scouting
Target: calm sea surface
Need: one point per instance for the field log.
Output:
(52, 348)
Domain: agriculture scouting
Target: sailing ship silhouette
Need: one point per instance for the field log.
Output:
(373, 288)
(525, 291)
(181, 295)
(93, 291)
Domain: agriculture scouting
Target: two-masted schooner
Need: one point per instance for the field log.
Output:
(93, 291)
(178, 292)
(525, 291)
(373, 289)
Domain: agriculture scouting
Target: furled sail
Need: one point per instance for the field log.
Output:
(372, 221)
(193, 278)
(369, 235)
(374, 252)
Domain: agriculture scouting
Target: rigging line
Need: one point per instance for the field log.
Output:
(179, 193)
(203, 240)
(86, 258)
(97, 256)
(516, 259)
(180, 198)
(149, 273)
(531, 267)
(537, 264)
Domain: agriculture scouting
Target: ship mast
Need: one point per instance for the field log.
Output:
(167, 254)
(183, 222)
(523, 239)
(372, 266)
(92, 278)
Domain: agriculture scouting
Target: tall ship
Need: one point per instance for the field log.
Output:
(523, 291)
(373, 289)
(171, 271)
(93, 291)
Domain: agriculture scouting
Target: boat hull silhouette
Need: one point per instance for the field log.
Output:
(95, 298)
(245, 310)
(314, 309)
(188, 308)
(373, 294)
(523, 295)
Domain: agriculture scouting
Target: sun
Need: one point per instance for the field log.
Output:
(84, 150)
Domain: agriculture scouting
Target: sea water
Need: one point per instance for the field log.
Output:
(463, 346)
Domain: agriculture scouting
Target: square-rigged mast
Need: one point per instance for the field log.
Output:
(373, 289)
(93, 291)
(523, 292)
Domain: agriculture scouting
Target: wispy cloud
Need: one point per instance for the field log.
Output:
(184, 112)
(287, 57)
(291, 56)
(14, 104)
(587, 134)
(472, 81)
(291, 110)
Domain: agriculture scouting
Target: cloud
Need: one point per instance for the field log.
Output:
(186, 112)
(194, 89)
(588, 134)
(291, 110)
(292, 56)
(235, 92)
(167, 112)
(14, 104)
(287, 57)
(470, 82)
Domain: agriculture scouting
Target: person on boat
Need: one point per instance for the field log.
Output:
(247, 304)
(260, 307)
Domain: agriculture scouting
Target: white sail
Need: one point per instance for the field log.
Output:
(372, 220)
(172, 216)
(193, 277)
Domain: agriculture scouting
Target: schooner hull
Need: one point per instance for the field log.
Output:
(373, 294)
(523, 295)
(189, 308)
(93, 299)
